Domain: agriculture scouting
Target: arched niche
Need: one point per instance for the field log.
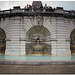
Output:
(2, 41)
(37, 40)
(72, 42)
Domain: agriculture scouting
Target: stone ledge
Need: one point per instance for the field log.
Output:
(13, 62)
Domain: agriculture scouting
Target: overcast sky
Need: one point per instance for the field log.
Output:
(67, 5)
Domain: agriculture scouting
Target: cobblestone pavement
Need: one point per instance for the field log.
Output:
(37, 69)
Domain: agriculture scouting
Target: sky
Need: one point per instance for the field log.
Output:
(67, 5)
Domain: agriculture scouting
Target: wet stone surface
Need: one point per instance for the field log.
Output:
(37, 69)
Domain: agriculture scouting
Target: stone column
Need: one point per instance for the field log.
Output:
(63, 47)
(15, 46)
(22, 47)
(54, 48)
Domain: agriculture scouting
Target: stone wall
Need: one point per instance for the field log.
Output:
(17, 27)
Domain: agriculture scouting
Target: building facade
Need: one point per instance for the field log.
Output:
(37, 30)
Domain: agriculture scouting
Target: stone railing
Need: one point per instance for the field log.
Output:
(36, 11)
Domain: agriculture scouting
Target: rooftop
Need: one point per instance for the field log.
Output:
(37, 9)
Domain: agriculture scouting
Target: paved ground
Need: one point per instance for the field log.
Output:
(37, 69)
